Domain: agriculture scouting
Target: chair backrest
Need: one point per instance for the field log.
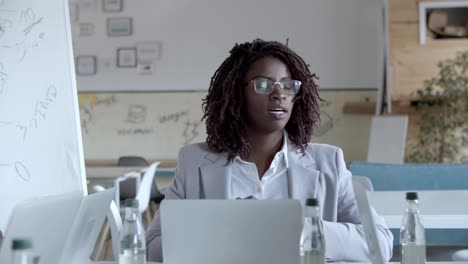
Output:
(363, 183)
(362, 186)
(115, 223)
(128, 187)
(132, 161)
(387, 139)
(144, 191)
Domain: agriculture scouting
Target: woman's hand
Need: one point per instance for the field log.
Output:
(251, 197)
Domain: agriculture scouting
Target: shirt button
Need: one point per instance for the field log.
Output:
(259, 189)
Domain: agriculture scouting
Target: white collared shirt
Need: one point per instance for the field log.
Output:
(246, 182)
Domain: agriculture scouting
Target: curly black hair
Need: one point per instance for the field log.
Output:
(223, 106)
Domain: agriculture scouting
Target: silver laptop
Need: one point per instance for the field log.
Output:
(63, 228)
(230, 231)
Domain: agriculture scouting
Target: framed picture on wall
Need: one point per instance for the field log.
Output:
(119, 26)
(86, 29)
(149, 51)
(85, 65)
(112, 5)
(126, 57)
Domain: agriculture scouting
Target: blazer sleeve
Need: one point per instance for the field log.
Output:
(153, 234)
(345, 239)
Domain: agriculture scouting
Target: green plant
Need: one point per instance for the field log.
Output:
(443, 112)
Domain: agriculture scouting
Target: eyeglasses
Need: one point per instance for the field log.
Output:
(266, 86)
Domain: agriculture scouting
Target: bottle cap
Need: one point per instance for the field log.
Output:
(411, 196)
(21, 244)
(133, 203)
(312, 202)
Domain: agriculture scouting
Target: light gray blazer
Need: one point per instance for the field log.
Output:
(321, 172)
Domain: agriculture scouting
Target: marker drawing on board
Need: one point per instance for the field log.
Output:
(24, 129)
(3, 77)
(30, 27)
(190, 131)
(22, 171)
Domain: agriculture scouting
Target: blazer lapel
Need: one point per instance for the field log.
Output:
(303, 178)
(215, 177)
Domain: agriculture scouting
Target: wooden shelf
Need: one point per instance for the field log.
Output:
(404, 105)
(359, 108)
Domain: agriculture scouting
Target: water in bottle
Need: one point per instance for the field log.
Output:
(132, 237)
(22, 251)
(312, 243)
(412, 237)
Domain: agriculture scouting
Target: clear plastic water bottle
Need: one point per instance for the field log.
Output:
(412, 237)
(312, 244)
(132, 237)
(22, 251)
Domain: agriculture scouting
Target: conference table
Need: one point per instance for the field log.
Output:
(427, 262)
(439, 208)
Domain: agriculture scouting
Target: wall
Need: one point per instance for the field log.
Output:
(412, 63)
(156, 125)
(341, 40)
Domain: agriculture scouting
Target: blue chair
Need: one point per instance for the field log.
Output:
(393, 177)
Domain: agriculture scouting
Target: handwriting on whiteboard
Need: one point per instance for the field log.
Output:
(21, 170)
(173, 116)
(20, 33)
(3, 78)
(40, 112)
(190, 131)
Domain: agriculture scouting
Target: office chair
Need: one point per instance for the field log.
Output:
(113, 216)
(387, 139)
(114, 222)
(128, 187)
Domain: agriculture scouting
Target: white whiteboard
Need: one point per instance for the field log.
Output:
(155, 125)
(342, 40)
(40, 137)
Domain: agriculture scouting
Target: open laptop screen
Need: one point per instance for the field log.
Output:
(231, 231)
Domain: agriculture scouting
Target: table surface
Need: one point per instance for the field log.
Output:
(439, 208)
(112, 172)
(428, 262)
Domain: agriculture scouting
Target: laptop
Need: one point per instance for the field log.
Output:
(230, 231)
(63, 228)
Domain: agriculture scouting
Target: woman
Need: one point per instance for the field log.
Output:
(261, 111)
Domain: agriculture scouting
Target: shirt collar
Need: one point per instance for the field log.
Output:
(283, 152)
